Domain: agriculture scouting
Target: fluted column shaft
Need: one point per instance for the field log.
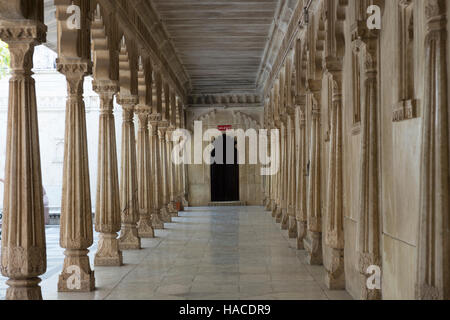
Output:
(291, 179)
(107, 205)
(369, 215)
(335, 276)
(157, 220)
(433, 278)
(171, 173)
(76, 229)
(313, 241)
(23, 254)
(301, 193)
(282, 181)
(164, 172)
(268, 178)
(274, 184)
(185, 187)
(279, 178)
(129, 238)
(145, 228)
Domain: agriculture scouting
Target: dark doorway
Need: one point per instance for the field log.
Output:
(224, 170)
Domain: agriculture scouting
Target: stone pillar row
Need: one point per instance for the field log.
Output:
(149, 182)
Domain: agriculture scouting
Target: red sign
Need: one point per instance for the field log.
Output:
(225, 127)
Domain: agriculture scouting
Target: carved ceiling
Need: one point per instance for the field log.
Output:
(225, 45)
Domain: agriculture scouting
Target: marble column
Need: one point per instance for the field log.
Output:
(369, 231)
(433, 278)
(157, 220)
(301, 194)
(76, 229)
(281, 216)
(107, 206)
(334, 239)
(279, 178)
(313, 240)
(171, 173)
(268, 178)
(179, 186)
(129, 238)
(164, 173)
(274, 184)
(145, 228)
(23, 256)
(185, 186)
(291, 180)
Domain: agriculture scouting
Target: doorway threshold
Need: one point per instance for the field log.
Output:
(227, 204)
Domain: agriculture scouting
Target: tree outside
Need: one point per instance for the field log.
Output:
(4, 59)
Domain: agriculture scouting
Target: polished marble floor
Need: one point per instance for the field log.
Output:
(206, 253)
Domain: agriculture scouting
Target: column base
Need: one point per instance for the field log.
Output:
(180, 201)
(368, 294)
(284, 219)
(301, 234)
(367, 260)
(165, 216)
(145, 229)
(157, 223)
(313, 246)
(172, 207)
(129, 238)
(184, 201)
(268, 205)
(292, 227)
(24, 289)
(274, 209)
(77, 275)
(335, 275)
(108, 253)
(279, 214)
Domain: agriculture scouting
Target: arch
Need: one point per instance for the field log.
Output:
(105, 45)
(125, 80)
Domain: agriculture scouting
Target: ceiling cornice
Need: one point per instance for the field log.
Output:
(284, 30)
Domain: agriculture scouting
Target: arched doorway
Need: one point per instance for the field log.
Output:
(224, 170)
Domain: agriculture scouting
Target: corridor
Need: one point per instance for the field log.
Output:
(207, 253)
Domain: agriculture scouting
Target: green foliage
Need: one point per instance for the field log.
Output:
(5, 59)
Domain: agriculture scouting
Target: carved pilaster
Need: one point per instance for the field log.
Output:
(313, 240)
(291, 178)
(274, 184)
(268, 179)
(284, 180)
(23, 254)
(365, 45)
(129, 238)
(145, 228)
(107, 206)
(334, 238)
(301, 194)
(76, 230)
(433, 278)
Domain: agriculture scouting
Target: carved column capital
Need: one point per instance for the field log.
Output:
(127, 101)
(23, 31)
